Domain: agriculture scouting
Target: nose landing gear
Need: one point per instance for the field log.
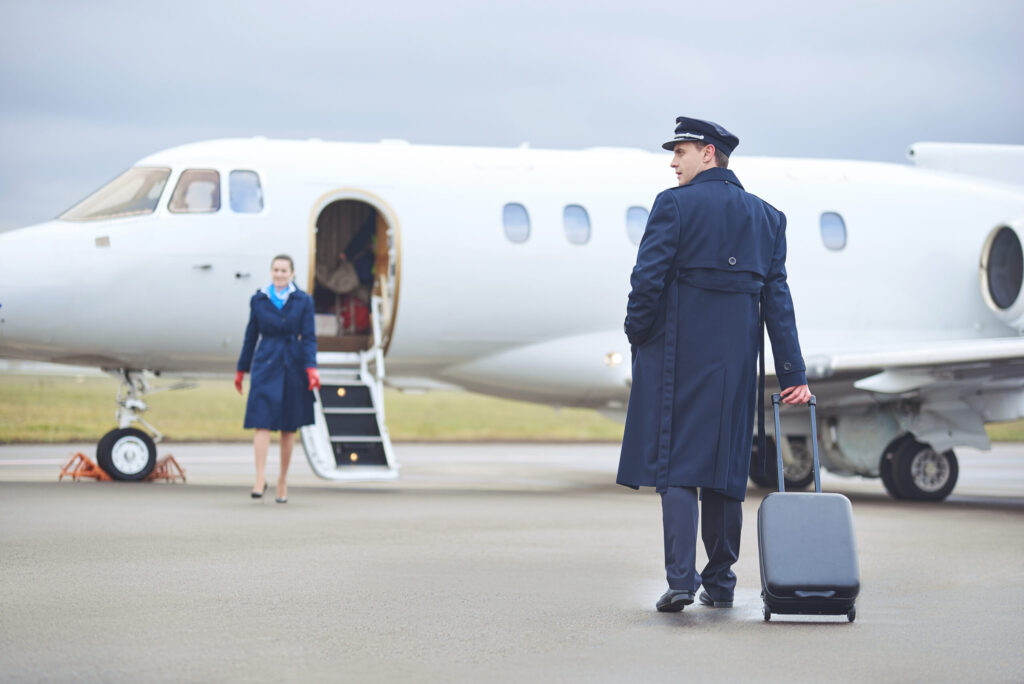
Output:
(128, 453)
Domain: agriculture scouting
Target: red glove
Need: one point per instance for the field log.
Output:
(314, 379)
(238, 380)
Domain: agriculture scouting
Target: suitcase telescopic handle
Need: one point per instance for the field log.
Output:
(812, 402)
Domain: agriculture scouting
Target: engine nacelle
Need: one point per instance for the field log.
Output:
(1002, 273)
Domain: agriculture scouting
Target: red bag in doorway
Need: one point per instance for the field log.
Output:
(354, 315)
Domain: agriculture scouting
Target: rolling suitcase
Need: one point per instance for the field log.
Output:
(806, 546)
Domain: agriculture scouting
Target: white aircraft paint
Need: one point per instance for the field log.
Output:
(541, 320)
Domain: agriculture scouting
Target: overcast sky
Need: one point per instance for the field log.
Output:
(86, 89)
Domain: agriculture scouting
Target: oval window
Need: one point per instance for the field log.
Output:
(833, 230)
(577, 224)
(516, 221)
(636, 222)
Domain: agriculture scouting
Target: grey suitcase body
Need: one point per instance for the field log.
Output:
(806, 546)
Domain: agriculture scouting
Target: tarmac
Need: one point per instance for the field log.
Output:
(483, 562)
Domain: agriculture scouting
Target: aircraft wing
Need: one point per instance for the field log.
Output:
(980, 371)
(917, 360)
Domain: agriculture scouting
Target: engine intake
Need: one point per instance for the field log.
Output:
(1002, 273)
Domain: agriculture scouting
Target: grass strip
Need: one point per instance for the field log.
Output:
(81, 409)
(72, 409)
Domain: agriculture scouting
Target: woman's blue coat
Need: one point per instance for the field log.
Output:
(709, 253)
(280, 344)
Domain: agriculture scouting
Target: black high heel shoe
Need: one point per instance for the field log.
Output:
(259, 495)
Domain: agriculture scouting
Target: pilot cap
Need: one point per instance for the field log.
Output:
(707, 132)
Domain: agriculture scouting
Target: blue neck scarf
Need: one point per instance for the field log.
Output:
(279, 299)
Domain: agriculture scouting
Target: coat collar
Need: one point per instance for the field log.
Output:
(716, 174)
(295, 294)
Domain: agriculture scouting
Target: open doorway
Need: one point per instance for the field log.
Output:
(355, 260)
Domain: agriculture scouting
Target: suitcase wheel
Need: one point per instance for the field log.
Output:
(768, 613)
(851, 614)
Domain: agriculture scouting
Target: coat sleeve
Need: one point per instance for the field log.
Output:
(252, 333)
(308, 334)
(654, 259)
(780, 318)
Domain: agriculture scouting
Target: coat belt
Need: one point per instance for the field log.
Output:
(705, 279)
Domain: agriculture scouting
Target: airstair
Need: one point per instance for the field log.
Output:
(349, 438)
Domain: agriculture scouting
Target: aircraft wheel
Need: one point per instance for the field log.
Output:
(887, 467)
(923, 474)
(797, 473)
(769, 479)
(126, 454)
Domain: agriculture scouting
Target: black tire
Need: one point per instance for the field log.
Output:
(127, 454)
(851, 614)
(887, 467)
(769, 479)
(923, 474)
(799, 472)
(796, 475)
(767, 613)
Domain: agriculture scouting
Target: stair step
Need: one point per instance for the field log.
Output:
(341, 439)
(354, 424)
(338, 358)
(348, 455)
(346, 396)
(350, 411)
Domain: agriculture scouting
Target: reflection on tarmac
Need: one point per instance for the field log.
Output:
(496, 561)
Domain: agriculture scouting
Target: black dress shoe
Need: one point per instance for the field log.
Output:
(259, 495)
(673, 600)
(705, 599)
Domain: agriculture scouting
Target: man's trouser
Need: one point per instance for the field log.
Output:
(721, 518)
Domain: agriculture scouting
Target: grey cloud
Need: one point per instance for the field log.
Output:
(86, 89)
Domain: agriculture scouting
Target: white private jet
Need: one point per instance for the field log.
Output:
(505, 271)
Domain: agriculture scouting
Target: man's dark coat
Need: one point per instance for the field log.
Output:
(278, 394)
(709, 253)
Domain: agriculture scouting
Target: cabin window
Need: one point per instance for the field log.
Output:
(636, 223)
(577, 224)
(197, 192)
(246, 192)
(516, 221)
(135, 192)
(833, 230)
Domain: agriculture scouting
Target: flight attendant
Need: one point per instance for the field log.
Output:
(710, 273)
(280, 352)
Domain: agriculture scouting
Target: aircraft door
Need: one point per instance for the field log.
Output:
(355, 258)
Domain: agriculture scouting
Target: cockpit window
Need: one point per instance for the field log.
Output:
(246, 193)
(135, 192)
(197, 192)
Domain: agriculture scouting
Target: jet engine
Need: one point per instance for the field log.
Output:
(1002, 273)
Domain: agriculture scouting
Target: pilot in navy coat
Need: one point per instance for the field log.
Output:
(279, 346)
(710, 255)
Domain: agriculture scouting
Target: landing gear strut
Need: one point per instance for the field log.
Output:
(128, 453)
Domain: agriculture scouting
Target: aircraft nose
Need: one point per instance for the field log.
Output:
(34, 287)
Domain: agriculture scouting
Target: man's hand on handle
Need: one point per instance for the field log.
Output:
(797, 394)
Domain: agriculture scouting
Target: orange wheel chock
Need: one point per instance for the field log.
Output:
(167, 468)
(80, 465)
